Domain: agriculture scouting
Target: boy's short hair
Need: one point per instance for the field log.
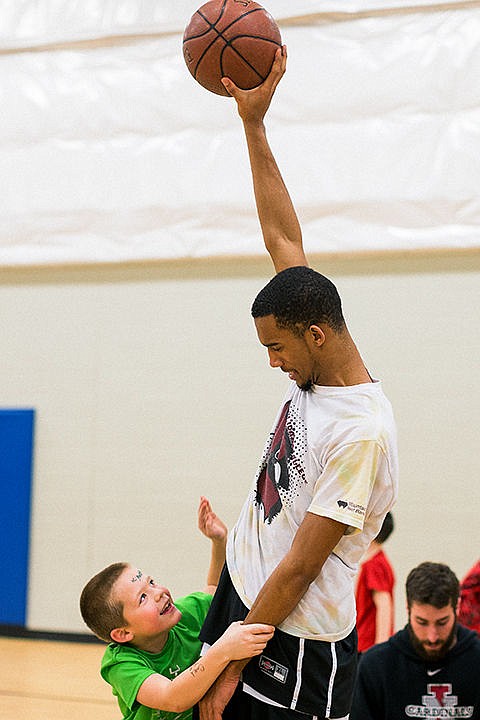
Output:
(100, 610)
(299, 297)
(386, 529)
(432, 584)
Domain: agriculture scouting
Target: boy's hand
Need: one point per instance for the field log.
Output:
(253, 104)
(237, 640)
(244, 640)
(209, 523)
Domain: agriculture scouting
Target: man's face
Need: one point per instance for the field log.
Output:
(291, 353)
(432, 630)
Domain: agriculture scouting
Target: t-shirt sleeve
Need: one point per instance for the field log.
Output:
(196, 606)
(345, 485)
(126, 673)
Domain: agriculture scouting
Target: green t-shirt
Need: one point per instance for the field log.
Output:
(125, 667)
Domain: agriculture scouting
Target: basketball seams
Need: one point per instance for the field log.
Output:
(242, 57)
(228, 46)
(209, 29)
(228, 41)
(240, 17)
(213, 25)
(254, 37)
(208, 58)
(203, 55)
(209, 24)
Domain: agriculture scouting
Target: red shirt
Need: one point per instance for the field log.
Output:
(375, 574)
(469, 611)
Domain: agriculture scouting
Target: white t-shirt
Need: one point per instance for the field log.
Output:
(332, 452)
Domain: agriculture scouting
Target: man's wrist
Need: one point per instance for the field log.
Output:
(234, 668)
(254, 126)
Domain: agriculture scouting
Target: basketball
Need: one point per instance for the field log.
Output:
(230, 38)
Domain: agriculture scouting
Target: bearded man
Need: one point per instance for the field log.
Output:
(431, 668)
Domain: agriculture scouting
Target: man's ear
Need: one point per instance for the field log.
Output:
(121, 635)
(317, 335)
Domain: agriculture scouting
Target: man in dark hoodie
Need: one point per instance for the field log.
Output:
(431, 668)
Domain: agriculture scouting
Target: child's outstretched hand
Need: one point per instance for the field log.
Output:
(245, 640)
(209, 523)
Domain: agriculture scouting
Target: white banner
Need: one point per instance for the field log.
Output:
(110, 151)
(32, 23)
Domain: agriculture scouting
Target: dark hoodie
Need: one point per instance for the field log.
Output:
(395, 683)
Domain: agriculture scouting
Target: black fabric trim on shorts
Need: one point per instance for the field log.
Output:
(293, 672)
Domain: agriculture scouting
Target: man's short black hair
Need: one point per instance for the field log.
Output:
(432, 584)
(386, 529)
(299, 297)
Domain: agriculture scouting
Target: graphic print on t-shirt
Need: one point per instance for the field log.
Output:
(275, 472)
(440, 701)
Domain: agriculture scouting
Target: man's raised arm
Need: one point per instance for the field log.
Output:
(278, 220)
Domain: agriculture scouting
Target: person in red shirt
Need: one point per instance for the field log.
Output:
(374, 592)
(469, 609)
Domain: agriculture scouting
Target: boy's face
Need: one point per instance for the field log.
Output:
(148, 610)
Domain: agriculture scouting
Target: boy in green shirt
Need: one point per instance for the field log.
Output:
(153, 663)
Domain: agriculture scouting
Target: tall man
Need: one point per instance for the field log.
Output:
(431, 668)
(326, 480)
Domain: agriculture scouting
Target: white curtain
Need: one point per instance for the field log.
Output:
(110, 151)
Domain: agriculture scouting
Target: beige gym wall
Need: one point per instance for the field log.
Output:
(151, 388)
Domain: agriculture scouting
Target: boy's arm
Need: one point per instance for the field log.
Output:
(213, 528)
(278, 220)
(181, 693)
(217, 561)
(384, 615)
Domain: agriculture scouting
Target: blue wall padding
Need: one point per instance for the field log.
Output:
(16, 450)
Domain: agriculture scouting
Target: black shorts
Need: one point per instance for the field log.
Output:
(306, 676)
(245, 707)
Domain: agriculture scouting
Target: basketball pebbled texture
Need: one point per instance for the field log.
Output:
(230, 38)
